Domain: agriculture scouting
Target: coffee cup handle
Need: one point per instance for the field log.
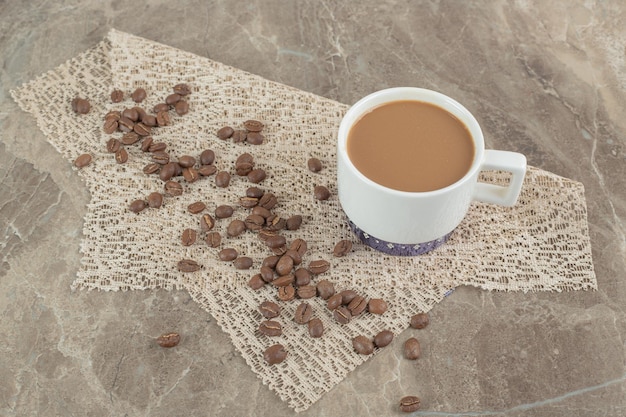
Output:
(512, 162)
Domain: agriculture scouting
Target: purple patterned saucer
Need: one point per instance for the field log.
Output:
(398, 249)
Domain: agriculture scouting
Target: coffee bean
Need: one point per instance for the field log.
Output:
(190, 174)
(117, 96)
(160, 107)
(275, 354)
(284, 265)
(321, 193)
(155, 200)
(142, 129)
(383, 338)
(138, 95)
(157, 147)
(275, 223)
(248, 202)
(213, 239)
(268, 201)
(295, 256)
(236, 228)
(412, 348)
(110, 126)
(261, 211)
(253, 125)
(409, 404)
(325, 289)
(270, 328)
(207, 222)
(316, 327)
(254, 192)
(225, 133)
(333, 302)
(146, 143)
(131, 114)
(125, 125)
(161, 157)
(255, 138)
(294, 222)
(269, 309)
(342, 248)
(277, 251)
(284, 280)
(130, 138)
(239, 136)
(347, 296)
(163, 118)
(228, 254)
(168, 171)
(243, 262)
(286, 293)
(243, 168)
(181, 108)
(149, 120)
(319, 266)
(207, 157)
(254, 222)
(276, 241)
(303, 313)
(244, 158)
(197, 207)
(256, 282)
(377, 306)
(186, 161)
(188, 237)
(314, 165)
(342, 315)
(306, 291)
(121, 156)
(299, 245)
(303, 276)
(188, 265)
(82, 160)
(207, 170)
(173, 188)
(81, 105)
(172, 99)
(357, 305)
(256, 175)
(419, 321)
(138, 206)
(151, 168)
(113, 115)
(224, 211)
(168, 340)
(222, 179)
(271, 261)
(362, 345)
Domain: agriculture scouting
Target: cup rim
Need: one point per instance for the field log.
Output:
(380, 97)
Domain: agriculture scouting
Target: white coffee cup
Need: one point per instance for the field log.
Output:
(412, 223)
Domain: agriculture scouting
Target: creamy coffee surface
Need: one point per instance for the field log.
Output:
(411, 146)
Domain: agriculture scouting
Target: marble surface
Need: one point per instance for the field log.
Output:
(547, 79)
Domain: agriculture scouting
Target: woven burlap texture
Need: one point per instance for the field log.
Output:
(541, 244)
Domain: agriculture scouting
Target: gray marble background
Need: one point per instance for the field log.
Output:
(547, 79)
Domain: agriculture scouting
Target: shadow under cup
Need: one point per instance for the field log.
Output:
(412, 223)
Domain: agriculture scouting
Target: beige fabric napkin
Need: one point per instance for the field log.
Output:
(541, 244)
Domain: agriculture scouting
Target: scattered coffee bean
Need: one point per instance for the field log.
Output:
(117, 96)
(319, 266)
(244, 158)
(253, 125)
(243, 262)
(295, 257)
(110, 126)
(121, 156)
(160, 107)
(275, 354)
(142, 129)
(125, 125)
(256, 175)
(303, 313)
(239, 136)
(225, 133)
(173, 188)
(222, 179)
(357, 305)
(197, 207)
(321, 193)
(181, 108)
(268, 201)
(138, 206)
(228, 254)
(314, 165)
(271, 261)
(146, 143)
(284, 265)
(157, 147)
(286, 293)
(155, 200)
(412, 348)
(270, 328)
(168, 171)
(188, 237)
(306, 291)
(163, 118)
(186, 161)
(284, 280)
(255, 138)
(188, 265)
(190, 174)
(207, 157)
(275, 223)
(269, 309)
(224, 211)
(316, 327)
(275, 241)
(342, 315)
(377, 306)
(149, 120)
(182, 89)
(254, 222)
(383, 338)
(342, 248)
(206, 222)
(409, 404)
(207, 170)
(362, 345)
(248, 202)
(325, 289)
(303, 276)
(244, 168)
(168, 340)
(347, 296)
(131, 114)
(151, 168)
(172, 99)
(138, 95)
(419, 321)
(236, 228)
(160, 157)
(213, 239)
(81, 105)
(82, 160)
(256, 282)
(333, 302)
(294, 222)
(299, 245)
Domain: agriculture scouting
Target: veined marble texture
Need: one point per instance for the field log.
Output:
(547, 79)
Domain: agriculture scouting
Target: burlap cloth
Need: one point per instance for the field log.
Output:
(541, 244)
